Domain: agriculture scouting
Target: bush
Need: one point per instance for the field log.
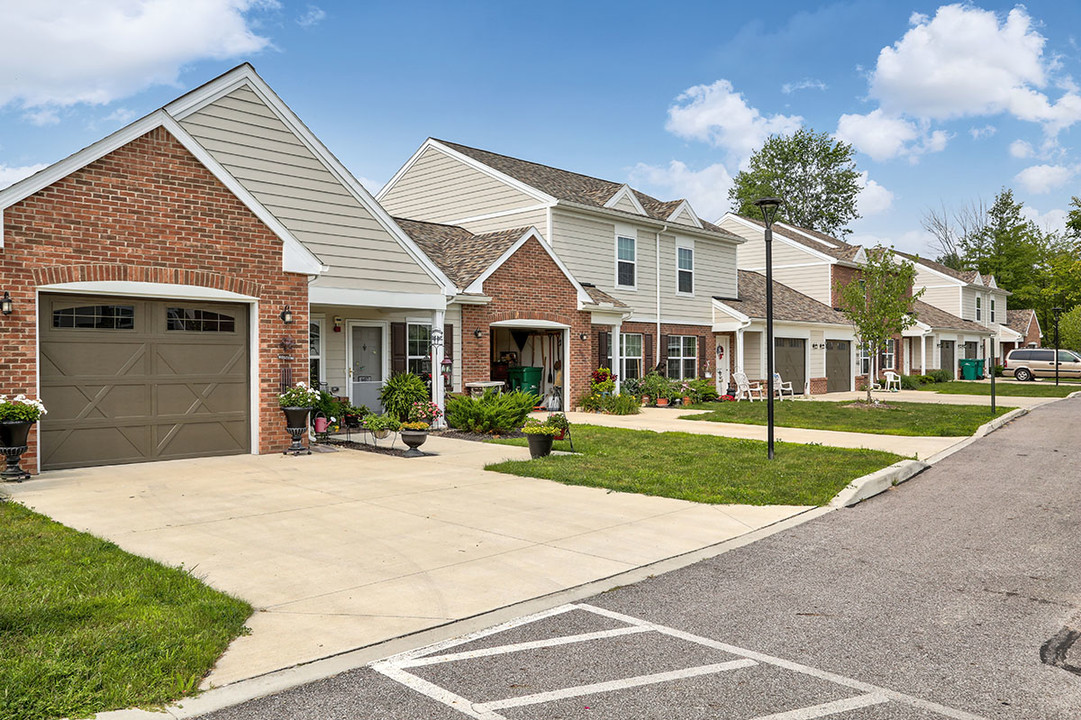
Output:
(630, 387)
(999, 371)
(911, 382)
(622, 404)
(490, 413)
(400, 392)
(602, 381)
(655, 386)
(702, 390)
(940, 376)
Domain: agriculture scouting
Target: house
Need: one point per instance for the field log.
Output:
(1025, 324)
(656, 266)
(168, 278)
(815, 264)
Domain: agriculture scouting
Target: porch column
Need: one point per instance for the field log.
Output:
(907, 363)
(739, 350)
(438, 348)
(617, 357)
(923, 354)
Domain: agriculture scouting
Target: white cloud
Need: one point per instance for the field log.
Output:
(1040, 179)
(805, 84)
(965, 61)
(120, 116)
(12, 175)
(1050, 221)
(706, 189)
(313, 17)
(978, 133)
(42, 116)
(873, 198)
(883, 136)
(58, 53)
(720, 116)
(1021, 149)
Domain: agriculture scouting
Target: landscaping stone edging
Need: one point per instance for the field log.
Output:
(877, 482)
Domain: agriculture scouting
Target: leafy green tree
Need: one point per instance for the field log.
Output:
(1069, 329)
(814, 174)
(1009, 246)
(878, 302)
(1073, 219)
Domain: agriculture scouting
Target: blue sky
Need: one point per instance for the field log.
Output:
(945, 104)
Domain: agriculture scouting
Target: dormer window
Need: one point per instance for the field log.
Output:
(626, 262)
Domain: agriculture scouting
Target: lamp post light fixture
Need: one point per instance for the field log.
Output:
(769, 206)
(1057, 311)
(7, 306)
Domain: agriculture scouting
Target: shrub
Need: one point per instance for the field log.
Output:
(655, 386)
(911, 382)
(940, 376)
(490, 413)
(622, 404)
(702, 390)
(999, 371)
(630, 386)
(400, 392)
(602, 381)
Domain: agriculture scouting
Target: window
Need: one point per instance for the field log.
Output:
(992, 309)
(685, 270)
(865, 359)
(889, 354)
(1065, 356)
(630, 350)
(1043, 355)
(316, 370)
(96, 317)
(189, 320)
(625, 262)
(979, 309)
(419, 350)
(682, 357)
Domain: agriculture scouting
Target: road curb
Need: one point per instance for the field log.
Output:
(990, 427)
(877, 482)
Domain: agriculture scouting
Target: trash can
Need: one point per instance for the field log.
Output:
(971, 368)
(525, 378)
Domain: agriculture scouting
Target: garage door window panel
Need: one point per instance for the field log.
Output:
(95, 317)
(197, 320)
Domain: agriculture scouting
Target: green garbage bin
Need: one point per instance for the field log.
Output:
(525, 378)
(969, 368)
(980, 370)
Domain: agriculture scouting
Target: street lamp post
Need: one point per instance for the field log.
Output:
(1057, 311)
(768, 206)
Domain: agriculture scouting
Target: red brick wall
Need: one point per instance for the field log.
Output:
(818, 385)
(528, 286)
(841, 276)
(148, 212)
(1033, 335)
(650, 329)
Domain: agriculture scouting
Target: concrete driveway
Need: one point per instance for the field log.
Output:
(342, 550)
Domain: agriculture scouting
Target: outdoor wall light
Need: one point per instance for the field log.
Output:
(286, 315)
(6, 304)
(583, 336)
(478, 333)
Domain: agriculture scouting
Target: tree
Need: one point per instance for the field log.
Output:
(1073, 219)
(950, 230)
(814, 175)
(878, 302)
(1069, 328)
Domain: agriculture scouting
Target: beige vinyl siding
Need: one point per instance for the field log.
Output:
(536, 218)
(945, 298)
(683, 217)
(257, 148)
(816, 368)
(626, 205)
(968, 304)
(586, 245)
(714, 274)
(752, 355)
(440, 188)
(813, 281)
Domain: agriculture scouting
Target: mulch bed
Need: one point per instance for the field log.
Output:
(475, 437)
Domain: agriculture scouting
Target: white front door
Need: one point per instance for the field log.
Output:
(366, 359)
(724, 362)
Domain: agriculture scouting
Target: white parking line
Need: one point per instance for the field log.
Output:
(395, 668)
(616, 685)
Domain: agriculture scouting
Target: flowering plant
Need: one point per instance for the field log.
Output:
(20, 409)
(602, 381)
(300, 395)
(426, 412)
(375, 423)
(414, 425)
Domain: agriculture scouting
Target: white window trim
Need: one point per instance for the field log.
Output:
(979, 309)
(863, 356)
(427, 355)
(628, 233)
(992, 309)
(890, 352)
(319, 320)
(682, 358)
(624, 357)
(682, 244)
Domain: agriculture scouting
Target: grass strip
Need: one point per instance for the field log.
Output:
(1005, 389)
(895, 418)
(86, 627)
(700, 468)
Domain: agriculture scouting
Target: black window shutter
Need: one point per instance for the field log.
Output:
(647, 350)
(448, 341)
(662, 361)
(602, 349)
(397, 348)
(702, 356)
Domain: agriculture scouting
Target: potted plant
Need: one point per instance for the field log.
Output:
(415, 431)
(296, 403)
(539, 435)
(17, 416)
(560, 423)
(685, 391)
(400, 392)
(657, 387)
(380, 426)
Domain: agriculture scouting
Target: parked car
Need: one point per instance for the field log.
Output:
(1031, 363)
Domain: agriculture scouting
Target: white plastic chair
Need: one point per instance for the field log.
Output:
(781, 388)
(893, 381)
(745, 388)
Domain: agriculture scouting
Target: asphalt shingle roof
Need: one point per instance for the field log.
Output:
(569, 186)
(1020, 320)
(788, 304)
(826, 244)
(600, 297)
(461, 255)
(939, 319)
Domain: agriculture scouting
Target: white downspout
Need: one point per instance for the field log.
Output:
(438, 352)
(657, 272)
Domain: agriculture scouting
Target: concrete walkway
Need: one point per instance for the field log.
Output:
(342, 550)
(668, 420)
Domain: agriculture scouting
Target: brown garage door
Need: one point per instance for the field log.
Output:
(838, 366)
(947, 359)
(790, 361)
(130, 380)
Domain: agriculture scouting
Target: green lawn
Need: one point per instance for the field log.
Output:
(1044, 388)
(701, 468)
(86, 627)
(900, 418)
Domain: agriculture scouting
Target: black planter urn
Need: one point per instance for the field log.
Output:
(414, 439)
(539, 445)
(296, 422)
(13, 435)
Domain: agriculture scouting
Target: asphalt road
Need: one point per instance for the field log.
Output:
(931, 600)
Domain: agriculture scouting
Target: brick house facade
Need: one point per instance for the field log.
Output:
(147, 212)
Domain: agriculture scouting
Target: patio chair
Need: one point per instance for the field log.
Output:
(893, 381)
(782, 388)
(745, 388)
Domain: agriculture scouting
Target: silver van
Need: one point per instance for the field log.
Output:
(1031, 363)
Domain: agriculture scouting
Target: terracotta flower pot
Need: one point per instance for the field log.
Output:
(662, 402)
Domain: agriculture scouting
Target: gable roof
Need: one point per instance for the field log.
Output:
(965, 276)
(788, 304)
(820, 243)
(571, 186)
(939, 319)
(1021, 320)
